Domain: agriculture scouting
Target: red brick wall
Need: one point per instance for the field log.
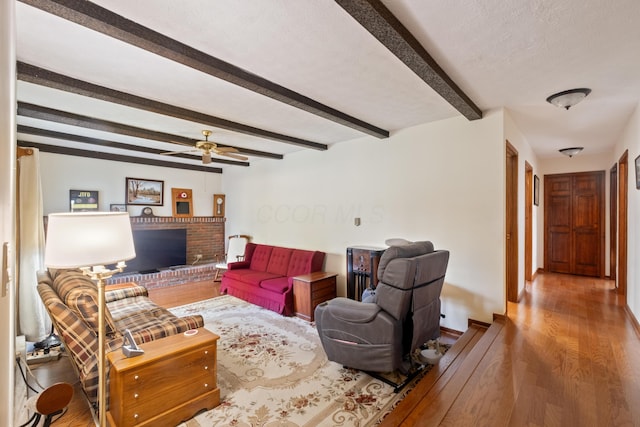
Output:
(205, 235)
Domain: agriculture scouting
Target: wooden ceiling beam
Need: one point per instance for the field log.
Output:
(58, 116)
(97, 18)
(112, 144)
(115, 157)
(374, 16)
(43, 77)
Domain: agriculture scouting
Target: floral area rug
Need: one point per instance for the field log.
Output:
(272, 371)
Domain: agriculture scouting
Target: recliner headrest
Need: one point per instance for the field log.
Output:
(404, 251)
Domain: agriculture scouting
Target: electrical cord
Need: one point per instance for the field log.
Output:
(24, 377)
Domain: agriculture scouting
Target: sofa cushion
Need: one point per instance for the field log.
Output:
(279, 261)
(253, 277)
(260, 258)
(301, 262)
(80, 294)
(279, 284)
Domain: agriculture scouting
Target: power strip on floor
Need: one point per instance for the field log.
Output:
(42, 357)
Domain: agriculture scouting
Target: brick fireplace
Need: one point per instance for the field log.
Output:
(205, 236)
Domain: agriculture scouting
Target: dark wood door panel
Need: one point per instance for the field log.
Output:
(574, 223)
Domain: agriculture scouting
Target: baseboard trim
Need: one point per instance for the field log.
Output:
(632, 318)
(473, 322)
(449, 331)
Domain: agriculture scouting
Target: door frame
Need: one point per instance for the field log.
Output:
(528, 221)
(613, 221)
(623, 186)
(511, 222)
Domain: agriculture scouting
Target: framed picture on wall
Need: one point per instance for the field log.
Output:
(638, 172)
(144, 192)
(536, 190)
(83, 200)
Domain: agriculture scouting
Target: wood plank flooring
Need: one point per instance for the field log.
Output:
(566, 355)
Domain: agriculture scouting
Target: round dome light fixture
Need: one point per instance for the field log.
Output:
(568, 98)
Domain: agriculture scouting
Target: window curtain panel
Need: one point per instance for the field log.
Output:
(33, 320)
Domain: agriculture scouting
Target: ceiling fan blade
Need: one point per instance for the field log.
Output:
(235, 156)
(226, 150)
(179, 152)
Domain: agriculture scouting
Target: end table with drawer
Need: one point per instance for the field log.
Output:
(311, 289)
(174, 379)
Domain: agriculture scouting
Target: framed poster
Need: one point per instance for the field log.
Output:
(83, 200)
(144, 192)
(638, 172)
(536, 190)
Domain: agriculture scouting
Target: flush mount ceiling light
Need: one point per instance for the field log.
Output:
(572, 151)
(568, 98)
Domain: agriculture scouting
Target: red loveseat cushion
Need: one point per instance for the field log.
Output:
(260, 258)
(279, 261)
(279, 284)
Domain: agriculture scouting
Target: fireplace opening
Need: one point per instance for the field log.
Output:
(158, 249)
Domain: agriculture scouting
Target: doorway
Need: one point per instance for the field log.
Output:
(511, 220)
(623, 184)
(528, 221)
(613, 221)
(574, 223)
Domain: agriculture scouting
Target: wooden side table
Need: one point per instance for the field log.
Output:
(311, 289)
(174, 379)
(362, 269)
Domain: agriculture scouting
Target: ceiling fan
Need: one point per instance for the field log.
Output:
(207, 147)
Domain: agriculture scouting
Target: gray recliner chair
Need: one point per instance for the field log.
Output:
(381, 336)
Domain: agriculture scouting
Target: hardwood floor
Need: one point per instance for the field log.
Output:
(566, 354)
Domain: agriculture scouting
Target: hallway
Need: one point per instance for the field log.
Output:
(566, 355)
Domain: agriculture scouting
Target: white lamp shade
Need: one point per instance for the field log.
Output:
(87, 239)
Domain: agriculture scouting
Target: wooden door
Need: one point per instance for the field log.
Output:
(613, 221)
(574, 223)
(511, 217)
(528, 221)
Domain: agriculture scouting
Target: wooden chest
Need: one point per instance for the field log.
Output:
(312, 289)
(173, 380)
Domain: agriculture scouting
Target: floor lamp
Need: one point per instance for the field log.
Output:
(90, 241)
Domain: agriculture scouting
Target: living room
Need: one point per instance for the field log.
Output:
(442, 181)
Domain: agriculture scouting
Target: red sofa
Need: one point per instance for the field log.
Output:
(265, 276)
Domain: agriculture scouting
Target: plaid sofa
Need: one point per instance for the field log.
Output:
(71, 300)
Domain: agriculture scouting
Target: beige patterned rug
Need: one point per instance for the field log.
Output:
(272, 371)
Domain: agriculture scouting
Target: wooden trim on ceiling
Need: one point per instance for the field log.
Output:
(53, 115)
(97, 18)
(40, 76)
(115, 157)
(112, 144)
(384, 26)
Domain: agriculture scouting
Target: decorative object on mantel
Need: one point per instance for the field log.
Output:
(146, 212)
(144, 192)
(83, 200)
(571, 151)
(218, 205)
(568, 98)
(117, 207)
(182, 202)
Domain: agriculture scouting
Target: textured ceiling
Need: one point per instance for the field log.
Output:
(500, 54)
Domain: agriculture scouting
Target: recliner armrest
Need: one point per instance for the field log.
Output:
(352, 311)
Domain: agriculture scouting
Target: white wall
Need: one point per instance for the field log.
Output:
(442, 182)
(7, 206)
(630, 140)
(63, 173)
(525, 154)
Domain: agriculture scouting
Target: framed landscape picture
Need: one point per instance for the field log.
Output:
(83, 200)
(638, 172)
(144, 192)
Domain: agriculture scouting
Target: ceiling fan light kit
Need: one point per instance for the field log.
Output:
(568, 98)
(206, 147)
(571, 151)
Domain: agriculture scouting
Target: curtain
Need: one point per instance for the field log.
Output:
(33, 319)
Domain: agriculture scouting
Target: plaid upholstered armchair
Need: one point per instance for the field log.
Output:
(71, 300)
